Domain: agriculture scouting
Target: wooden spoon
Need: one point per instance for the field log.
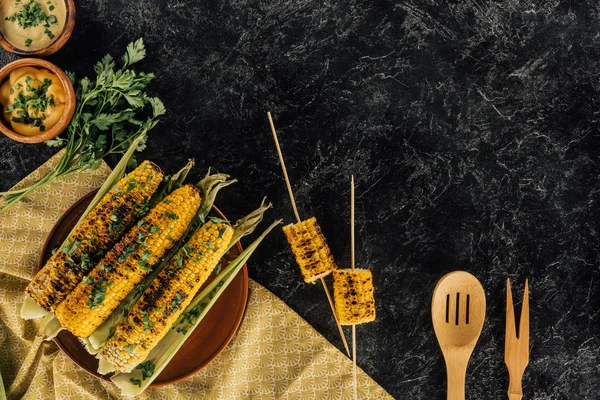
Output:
(458, 312)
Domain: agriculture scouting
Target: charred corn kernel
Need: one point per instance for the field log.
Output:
(167, 296)
(128, 262)
(310, 248)
(116, 212)
(353, 294)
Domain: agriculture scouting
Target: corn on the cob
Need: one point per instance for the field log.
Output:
(310, 248)
(167, 296)
(100, 229)
(353, 294)
(128, 262)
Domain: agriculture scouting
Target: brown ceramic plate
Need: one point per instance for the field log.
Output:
(204, 344)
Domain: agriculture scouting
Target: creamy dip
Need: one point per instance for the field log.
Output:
(32, 99)
(32, 24)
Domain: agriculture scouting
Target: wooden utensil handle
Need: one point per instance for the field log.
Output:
(515, 386)
(456, 381)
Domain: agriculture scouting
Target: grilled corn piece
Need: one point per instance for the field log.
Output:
(100, 229)
(128, 262)
(310, 248)
(353, 295)
(167, 296)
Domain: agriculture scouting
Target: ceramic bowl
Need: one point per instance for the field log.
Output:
(52, 47)
(64, 120)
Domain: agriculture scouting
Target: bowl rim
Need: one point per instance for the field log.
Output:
(70, 101)
(55, 45)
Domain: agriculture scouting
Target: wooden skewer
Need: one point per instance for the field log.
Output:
(352, 260)
(285, 175)
(289, 187)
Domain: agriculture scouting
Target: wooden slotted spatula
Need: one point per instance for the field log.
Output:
(516, 345)
(458, 313)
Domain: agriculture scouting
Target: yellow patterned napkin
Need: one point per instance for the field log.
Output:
(274, 355)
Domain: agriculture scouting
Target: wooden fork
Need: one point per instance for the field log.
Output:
(516, 345)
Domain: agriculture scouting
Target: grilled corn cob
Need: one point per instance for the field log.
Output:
(353, 294)
(128, 262)
(167, 296)
(100, 229)
(310, 248)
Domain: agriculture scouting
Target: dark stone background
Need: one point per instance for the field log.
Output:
(471, 127)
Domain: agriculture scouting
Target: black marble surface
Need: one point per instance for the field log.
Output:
(471, 127)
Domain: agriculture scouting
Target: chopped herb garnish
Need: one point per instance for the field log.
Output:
(115, 223)
(136, 382)
(51, 8)
(167, 201)
(143, 207)
(146, 323)
(34, 100)
(130, 348)
(179, 298)
(143, 263)
(49, 33)
(217, 269)
(141, 288)
(32, 15)
(71, 246)
(28, 42)
(142, 238)
(154, 229)
(187, 249)
(128, 251)
(111, 330)
(147, 368)
(178, 261)
(132, 183)
(141, 222)
(171, 215)
(86, 263)
(222, 232)
(98, 291)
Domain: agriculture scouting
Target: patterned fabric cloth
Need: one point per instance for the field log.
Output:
(274, 355)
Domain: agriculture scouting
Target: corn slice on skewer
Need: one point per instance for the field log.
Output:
(167, 296)
(100, 229)
(310, 248)
(353, 294)
(128, 262)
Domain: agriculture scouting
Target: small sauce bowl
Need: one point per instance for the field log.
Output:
(67, 114)
(52, 47)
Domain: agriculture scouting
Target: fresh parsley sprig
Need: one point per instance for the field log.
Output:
(112, 111)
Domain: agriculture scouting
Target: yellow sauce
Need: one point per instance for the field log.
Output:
(32, 99)
(32, 24)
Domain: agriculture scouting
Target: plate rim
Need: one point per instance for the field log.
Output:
(219, 350)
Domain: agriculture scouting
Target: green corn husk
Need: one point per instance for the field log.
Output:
(30, 309)
(135, 382)
(210, 186)
(2, 392)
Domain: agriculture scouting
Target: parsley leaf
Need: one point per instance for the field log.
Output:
(147, 368)
(115, 104)
(136, 382)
